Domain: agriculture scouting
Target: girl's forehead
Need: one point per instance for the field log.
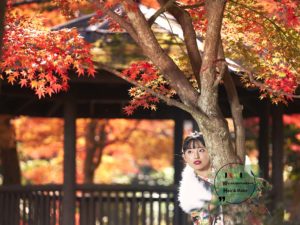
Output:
(195, 144)
(197, 148)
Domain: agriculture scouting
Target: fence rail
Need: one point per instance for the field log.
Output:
(95, 205)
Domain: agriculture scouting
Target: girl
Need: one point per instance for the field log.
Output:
(196, 196)
(195, 190)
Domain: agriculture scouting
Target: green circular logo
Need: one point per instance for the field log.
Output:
(233, 184)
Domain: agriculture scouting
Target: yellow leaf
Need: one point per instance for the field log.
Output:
(276, 60)
(34, 84)
(281, 74)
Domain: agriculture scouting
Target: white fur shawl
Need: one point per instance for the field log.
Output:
(192, 193)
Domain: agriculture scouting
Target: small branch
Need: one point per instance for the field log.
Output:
(174, 37)
(222, 69)
(235, 107)
(159, 57)
(25, 2)
(120, 20)
(164, 8)
(261, 85)
(186, 23)
(192, 6)
(168, 101)
(123, 24)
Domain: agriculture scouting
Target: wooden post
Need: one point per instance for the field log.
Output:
(69, 186)
(263, 140)
(178, 138)
(277, 162)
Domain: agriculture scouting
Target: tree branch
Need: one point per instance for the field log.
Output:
(186, 23)
(208, 99)
(25, 2)
(221, 71)
(151, 48)
(235, 106)
(192, 6)
(261, 85)
(170, 102)
(125, 25)
(161, 10)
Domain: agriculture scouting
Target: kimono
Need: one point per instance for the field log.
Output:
(195, 198)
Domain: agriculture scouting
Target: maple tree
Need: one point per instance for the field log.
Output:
(263, 49)
(260, 37)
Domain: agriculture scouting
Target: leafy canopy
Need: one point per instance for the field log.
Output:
(261, 37)
(36, 57)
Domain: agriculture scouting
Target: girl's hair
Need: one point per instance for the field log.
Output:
(192, 140)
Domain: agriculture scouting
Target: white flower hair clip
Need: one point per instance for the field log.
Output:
(195, 134)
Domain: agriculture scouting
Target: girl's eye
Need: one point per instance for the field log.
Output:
(202, 150)
(189, 152)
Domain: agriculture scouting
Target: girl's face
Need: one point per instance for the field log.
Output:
(197, 157)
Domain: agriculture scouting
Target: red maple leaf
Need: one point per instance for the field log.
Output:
(23, 82)
(129, 110)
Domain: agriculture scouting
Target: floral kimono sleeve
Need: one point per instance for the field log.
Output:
(201, 216)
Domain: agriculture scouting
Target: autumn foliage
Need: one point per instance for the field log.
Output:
(40, 147)
(260, 36)
(41, 59)
(146, 74)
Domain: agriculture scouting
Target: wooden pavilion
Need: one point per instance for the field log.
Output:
(104, 97)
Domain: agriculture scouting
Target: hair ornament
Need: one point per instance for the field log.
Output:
(195, 134)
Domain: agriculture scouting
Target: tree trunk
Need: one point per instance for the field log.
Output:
(8, 152)
(214, 126)
(90, 151)
(95, 143)
(218, 141)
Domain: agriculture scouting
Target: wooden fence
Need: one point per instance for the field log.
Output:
(95, 205)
